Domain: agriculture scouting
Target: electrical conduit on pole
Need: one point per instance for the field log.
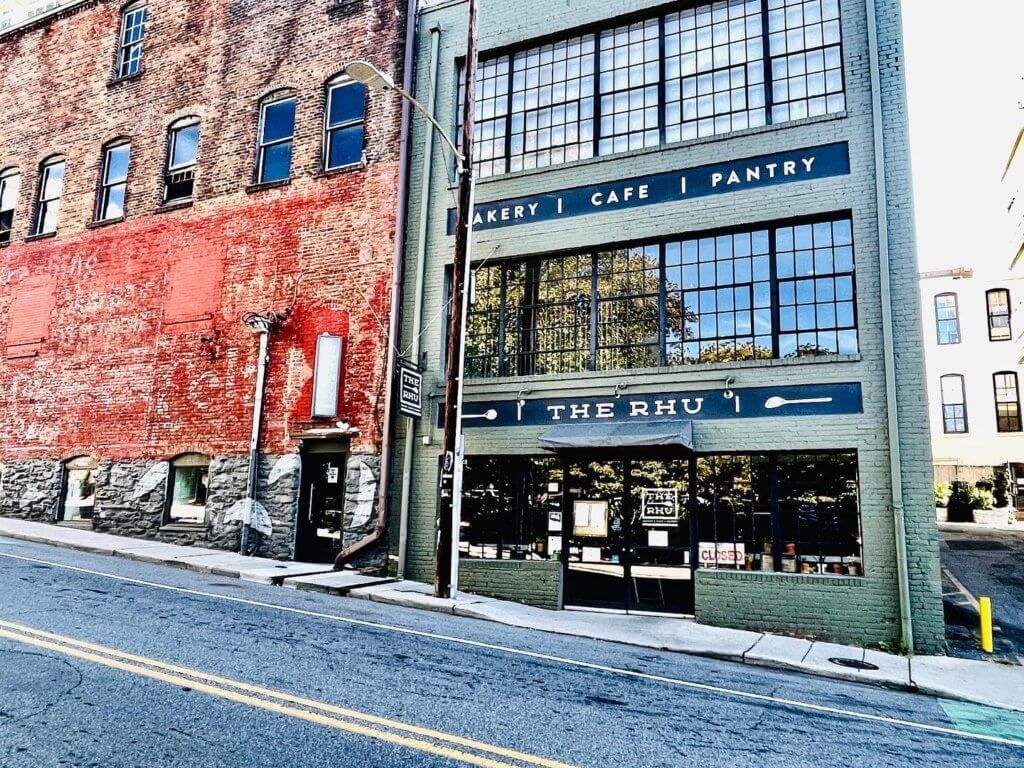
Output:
(892, 408)
(446, 572)
(417, 312)
(262, 325)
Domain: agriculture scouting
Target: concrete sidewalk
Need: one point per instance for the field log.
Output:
(980, 682)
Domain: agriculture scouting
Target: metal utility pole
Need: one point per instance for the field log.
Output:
(446, 573)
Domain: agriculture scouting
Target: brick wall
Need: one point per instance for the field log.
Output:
(137, 349)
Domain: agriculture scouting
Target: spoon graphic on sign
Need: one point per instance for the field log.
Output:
(773, 403)
(490, 415)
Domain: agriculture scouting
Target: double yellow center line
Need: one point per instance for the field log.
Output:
(413, 737)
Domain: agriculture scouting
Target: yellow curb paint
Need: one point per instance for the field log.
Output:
(985, 611)
(66, 646)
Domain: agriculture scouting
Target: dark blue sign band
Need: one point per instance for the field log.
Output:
(696, 405)
(716, 179)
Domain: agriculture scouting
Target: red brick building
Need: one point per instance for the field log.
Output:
(167, 169)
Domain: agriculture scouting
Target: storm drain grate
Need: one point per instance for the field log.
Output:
(864, 666)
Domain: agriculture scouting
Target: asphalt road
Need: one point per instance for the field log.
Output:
(130, 666)
(987, 563)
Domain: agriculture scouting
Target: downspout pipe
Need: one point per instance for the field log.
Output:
(397, 276)
(892, 407)
(417, 312)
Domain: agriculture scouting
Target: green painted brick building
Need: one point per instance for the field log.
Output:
(693, 335)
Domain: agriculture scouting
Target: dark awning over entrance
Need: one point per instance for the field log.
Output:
(640, 434)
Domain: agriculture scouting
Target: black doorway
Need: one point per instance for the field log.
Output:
(627, 533)
(319, 530)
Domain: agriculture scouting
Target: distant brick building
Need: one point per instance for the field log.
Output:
(165, 170)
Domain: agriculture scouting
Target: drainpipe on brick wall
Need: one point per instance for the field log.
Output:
(892, 408)
(397, 276)
(417, 312)
(263, 324)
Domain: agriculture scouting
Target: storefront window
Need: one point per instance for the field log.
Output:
(735, 512)
(511, 508)
(769, 292)
(818, 513)
(189, 480)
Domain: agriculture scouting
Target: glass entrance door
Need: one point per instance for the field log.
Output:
(320, 525)
(627, 534)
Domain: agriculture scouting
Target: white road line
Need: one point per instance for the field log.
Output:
(728, 692)
(963, 590)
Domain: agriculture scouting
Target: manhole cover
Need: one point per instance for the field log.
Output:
(864, 666)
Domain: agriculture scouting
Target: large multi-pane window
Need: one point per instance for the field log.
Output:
(954, 404)
(695, 71)
(1007, 396)
(113, 181)
(51, 190)
(761, 293)
(998, 304)
(947, 319)
(133, 29)
(10, 187)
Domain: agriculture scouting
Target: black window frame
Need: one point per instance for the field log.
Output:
(8, 176)
(517, 351)
(103, 192)
(1009, 419)
(329, 129)
(44, 204)
(953, 422)
(832, 54)
(128, 64)
(262, 145)
(993, 325)
(955, 320)
(186, 172)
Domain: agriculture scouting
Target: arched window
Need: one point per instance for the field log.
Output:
(51, 189)
(78, 499)
(954, 404)
(182, 159)
(997, 302)
(113, 180)
(1007, 394)
(343, 123)
(947, 318)
(187, 483)
(276, 135)
(10, 187)
(133, 28)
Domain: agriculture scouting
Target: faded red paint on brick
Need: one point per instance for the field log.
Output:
(143, 351)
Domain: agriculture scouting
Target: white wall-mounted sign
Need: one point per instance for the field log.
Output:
(327, 376)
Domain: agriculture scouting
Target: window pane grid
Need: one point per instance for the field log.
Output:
(817, 313)
(277, 130)
(51, 188)
(696, 72)
(114, 186)
(714, 70)
(954, 404)
(345, 131)
(628, 87)
(947, 319)
(10, 186)
(133, 29)
(708, 299)
(552, 119)
(1007, 402)
(998, 315)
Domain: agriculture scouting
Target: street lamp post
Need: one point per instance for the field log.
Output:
(446, 571)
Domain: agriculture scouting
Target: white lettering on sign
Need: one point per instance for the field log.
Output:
(579, 411)
(556, 412)
(752, 173)
(622, 195)
(510, 213)
(638, 408)
(605, 411)
(694, 409)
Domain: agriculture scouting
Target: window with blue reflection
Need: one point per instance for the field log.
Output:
(346, 113)
(277, 132)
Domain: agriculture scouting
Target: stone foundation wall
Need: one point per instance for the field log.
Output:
(362, 479)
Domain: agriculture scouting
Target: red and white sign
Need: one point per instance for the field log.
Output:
(723, 553)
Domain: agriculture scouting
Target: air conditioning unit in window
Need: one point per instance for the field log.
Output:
(180, 177)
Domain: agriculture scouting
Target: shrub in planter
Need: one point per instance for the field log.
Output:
(1001, 489)
(942, 491)
(960, 508)
(982, 498)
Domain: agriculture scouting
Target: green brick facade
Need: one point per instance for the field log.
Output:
(842, 608)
